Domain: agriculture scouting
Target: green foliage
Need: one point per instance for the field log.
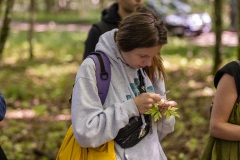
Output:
(40, 110)
(171, 111)
(65, 15)
(70, 17)
(154, 111)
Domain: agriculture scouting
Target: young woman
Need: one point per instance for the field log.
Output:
(137, 83)
(224, 140)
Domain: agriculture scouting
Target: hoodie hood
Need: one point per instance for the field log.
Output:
(110, 15)
(108, 45)
(119, 66)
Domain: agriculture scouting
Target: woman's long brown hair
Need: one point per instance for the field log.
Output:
(143, 29)
(157, 65)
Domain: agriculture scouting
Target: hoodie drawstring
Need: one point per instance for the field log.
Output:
(133, 95)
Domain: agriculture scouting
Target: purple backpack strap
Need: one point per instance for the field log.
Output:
(103, 73)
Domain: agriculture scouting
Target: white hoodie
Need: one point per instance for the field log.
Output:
(95, 124)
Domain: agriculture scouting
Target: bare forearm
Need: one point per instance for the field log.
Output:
(225, 131)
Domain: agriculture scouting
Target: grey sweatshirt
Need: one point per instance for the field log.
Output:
(95, 124)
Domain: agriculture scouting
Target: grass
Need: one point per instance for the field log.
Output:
(39, 87)
(73, 16)
(37, 93)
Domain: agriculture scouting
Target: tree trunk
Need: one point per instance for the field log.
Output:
(6, 24)
(49, 5)
(31, 29)
(238, 27)
(1, 1)
(218, 32)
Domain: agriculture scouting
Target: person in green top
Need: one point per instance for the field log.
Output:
(223, 143)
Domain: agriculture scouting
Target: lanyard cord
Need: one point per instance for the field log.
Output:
(130, 89)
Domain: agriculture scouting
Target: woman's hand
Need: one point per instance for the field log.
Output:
(145, 101)
(164, 104)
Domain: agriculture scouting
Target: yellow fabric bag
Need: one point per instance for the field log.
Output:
(71, 150)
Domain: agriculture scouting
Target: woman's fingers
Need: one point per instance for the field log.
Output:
(145, 101)
(171, 103)
(166, 104)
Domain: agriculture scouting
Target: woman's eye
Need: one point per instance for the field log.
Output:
(143, 56)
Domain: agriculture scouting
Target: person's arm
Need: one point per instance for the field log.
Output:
(92, 123)
(2, 107)
(92, 40)
(224, 100)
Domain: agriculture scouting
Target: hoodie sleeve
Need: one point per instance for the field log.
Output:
(2, 107)
(93, 124)
(164, 126)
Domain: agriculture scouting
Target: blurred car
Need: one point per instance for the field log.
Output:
(179, 19)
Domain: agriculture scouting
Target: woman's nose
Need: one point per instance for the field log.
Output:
(148, 62)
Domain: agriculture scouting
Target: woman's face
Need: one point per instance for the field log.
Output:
(140, 57)
(129, 6)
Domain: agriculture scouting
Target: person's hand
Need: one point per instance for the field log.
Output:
(145, 101)
(164, 104)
